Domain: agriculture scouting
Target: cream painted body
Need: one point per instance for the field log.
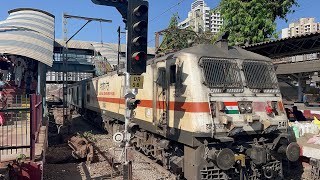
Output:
(107, 94)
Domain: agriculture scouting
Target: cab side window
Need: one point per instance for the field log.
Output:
(173, 75)
(77, 96)
(88, 93)
(161, 79)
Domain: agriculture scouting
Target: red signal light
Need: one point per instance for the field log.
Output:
(140, 56)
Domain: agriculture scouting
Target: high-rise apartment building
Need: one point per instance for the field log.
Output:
(300, 27)
(200, 19)
(216, 22)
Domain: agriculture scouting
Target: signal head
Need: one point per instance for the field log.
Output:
(137, 36)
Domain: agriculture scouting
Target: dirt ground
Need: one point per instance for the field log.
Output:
(60, 165)
(59, 162)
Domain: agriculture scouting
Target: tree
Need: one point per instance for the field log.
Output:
(175, 39)
(172, 39)
(253, 21)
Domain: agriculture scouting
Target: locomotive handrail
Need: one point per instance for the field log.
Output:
(39, 103)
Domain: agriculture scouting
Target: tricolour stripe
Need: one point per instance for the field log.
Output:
(232, 112)
(231, 103)
(232, 108)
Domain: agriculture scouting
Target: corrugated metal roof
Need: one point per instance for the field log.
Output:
(107, 46)
(107, 50)
(75, 44)
(26, 32)
(103, 48)
(299, 67)
(283, 39)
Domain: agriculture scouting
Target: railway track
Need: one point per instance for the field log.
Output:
(167, 173)
(143, 167)
(106, 161)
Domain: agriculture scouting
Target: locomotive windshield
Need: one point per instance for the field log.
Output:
(260, 75)
(221, 73)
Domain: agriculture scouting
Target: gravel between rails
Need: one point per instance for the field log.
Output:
(62, 166)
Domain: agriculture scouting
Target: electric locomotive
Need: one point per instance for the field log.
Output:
(206, 112)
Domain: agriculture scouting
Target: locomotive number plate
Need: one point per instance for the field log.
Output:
(136, 82)
(282, 124)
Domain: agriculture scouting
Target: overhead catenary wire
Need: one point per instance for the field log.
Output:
(155, 18)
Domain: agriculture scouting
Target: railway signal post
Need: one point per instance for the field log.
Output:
(137, 33)
(135, 15)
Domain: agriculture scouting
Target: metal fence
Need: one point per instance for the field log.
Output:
(21, 117)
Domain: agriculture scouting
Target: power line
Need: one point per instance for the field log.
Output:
(178, 4)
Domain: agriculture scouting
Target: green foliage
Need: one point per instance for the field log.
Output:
(253, 21)
(175, 39)
(21, 158)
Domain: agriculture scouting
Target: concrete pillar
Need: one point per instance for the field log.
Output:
(39, 78)
(41, 88)
(300, 93)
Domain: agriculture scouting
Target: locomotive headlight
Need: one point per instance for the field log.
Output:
(249, 108)
(242, 108)
(245, 107)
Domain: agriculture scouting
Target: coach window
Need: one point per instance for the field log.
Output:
(173, 74)
(77, 101)
(88, 98)
(72, 96)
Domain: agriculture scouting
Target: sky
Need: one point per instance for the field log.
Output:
(160, 12)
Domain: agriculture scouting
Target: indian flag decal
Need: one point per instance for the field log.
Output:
(231, 107)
